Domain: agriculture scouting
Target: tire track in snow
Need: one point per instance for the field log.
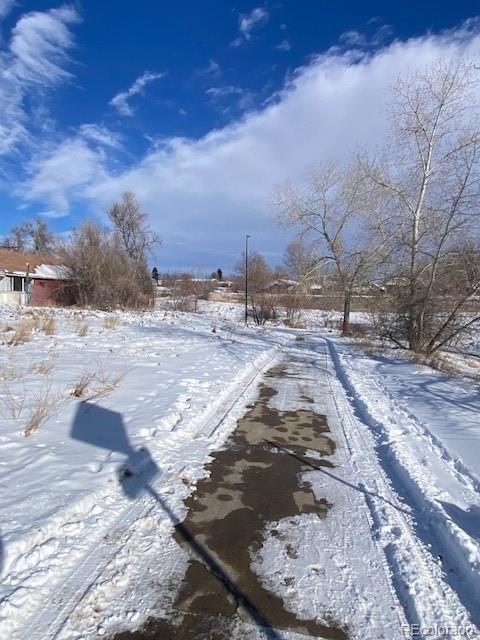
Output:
(61, 601)
(444, 597)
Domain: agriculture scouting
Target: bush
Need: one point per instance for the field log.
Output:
(103, 274)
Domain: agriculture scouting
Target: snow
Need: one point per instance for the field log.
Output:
(400, 545)
(330, 569)
(60, 492)
(428, 443)
(52, 272)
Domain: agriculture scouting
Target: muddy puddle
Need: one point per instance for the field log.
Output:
(253, 481)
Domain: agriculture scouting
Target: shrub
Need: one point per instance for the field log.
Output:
(23, 332)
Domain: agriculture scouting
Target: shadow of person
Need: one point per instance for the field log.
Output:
(105, 429)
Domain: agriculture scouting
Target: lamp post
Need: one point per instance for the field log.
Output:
(246, 278)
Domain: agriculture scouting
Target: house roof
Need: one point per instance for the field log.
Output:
(43, 266)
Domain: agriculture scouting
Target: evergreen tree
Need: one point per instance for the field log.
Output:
(155, 274)
(219, 275)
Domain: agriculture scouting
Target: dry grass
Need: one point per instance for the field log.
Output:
(82, 329)
(48, 325)
(83, 384)
(45, 403)
(110, 322)
(11, 405)
(23, 332)
(448, 365)
(11, 369)
(45, 366)
(107, 382)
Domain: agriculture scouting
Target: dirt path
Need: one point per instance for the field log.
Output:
(251, 484)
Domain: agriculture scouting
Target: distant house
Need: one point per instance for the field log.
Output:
(29, 278)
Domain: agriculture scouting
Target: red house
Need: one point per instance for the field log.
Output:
(30, 278)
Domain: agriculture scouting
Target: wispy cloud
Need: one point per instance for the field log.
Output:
(230, 97)
(247, 22)
(34, 60)
(221, 92)
(121, 100)
(283, 46)
(213, 70)
(5, 7)
(101, 135)
(353, 38)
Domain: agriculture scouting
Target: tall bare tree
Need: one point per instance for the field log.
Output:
(429, 176)
(330, 214)
(130, 225)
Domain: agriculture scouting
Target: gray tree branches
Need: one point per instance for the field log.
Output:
(408, 216)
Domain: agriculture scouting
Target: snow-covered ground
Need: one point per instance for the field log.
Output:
(162, 391)
(160, 384)
(427, 433)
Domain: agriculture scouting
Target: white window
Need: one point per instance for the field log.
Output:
(17, 284)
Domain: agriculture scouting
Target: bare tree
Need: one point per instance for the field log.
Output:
(302, 261)
(130, 225)
(34, 236)
(186, 289)
(429, 181)
(42, 239)
(262, 300)
(17, 238)
(331, 213)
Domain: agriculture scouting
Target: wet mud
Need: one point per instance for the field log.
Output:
(254, 481)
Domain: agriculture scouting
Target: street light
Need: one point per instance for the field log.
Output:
(246, 278)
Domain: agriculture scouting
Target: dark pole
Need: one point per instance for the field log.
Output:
(246, 278)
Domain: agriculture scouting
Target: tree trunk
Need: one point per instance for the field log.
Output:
(346, 312)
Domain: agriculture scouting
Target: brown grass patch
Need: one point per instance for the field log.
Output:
(23, 332)
(45, 403)
(48, 325)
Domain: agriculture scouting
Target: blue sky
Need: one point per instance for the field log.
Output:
(200, 108)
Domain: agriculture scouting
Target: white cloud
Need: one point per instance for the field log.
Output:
(120, 101)
(101, 135)
(247, 22)
(229, 97)
(39, 44)
(284, 46)
(57, 176)
(34, 60)
(5, 7)
(221, 92)
(355, 38)
(203, 194)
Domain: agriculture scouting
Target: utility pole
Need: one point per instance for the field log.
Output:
(246, 278)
